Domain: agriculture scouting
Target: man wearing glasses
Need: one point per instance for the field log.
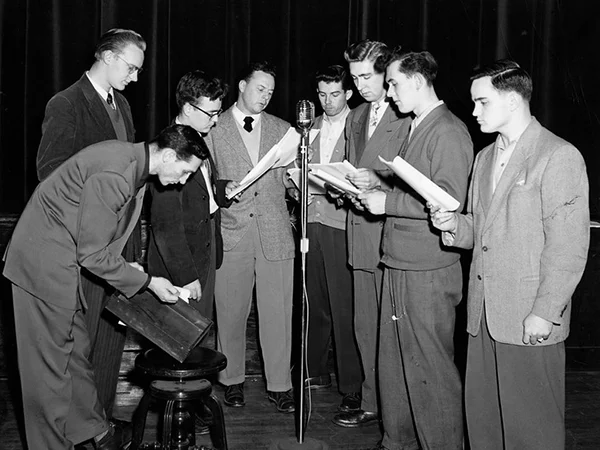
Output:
(87, 112)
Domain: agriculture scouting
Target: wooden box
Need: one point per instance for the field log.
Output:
(175, 328)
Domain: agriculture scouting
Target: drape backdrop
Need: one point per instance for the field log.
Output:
(46, 45)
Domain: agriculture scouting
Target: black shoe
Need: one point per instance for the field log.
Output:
(284, 401)
(319, 382)
(355, 419)
(350, 402)
(204, 420)
(118, 436)
(234, 395)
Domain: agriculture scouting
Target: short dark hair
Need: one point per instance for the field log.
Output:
(366, 50)
(196, 84)
(116, 40)
(257, 66)
(184, 140)
(411, 63)
(334, 74)
(507, 76)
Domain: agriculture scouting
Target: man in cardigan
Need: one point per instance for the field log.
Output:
(528, 225)
(421, 399)
(329, 278)
(258, 244)
(374, 128)
(80, 218)
(90, 111)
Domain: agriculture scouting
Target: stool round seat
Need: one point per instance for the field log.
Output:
(200, 363)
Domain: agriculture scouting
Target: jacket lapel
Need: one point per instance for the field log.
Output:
(526, 146)
(232, 135)
(95, 106)
(316, 145)
(381, 136)
(360, 124)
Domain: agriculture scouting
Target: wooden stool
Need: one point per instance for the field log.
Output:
(185, 390)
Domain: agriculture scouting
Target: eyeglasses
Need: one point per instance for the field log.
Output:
(210, 115)
(130, 67)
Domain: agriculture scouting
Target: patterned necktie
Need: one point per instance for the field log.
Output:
(374, 117)
(248, 123)
(109, 100)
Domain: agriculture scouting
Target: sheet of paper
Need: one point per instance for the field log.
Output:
(422, 185)
(280, 155)
(184, 294)
(316, 186)
(335, 180)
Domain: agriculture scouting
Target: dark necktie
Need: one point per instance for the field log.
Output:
(248, 123)
(109, 100)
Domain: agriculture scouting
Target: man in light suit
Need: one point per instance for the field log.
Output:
(90, 111)
(373, 129)
(80, 218)
(329, 278)
(528, 225)
(258, 244)
(421, 401)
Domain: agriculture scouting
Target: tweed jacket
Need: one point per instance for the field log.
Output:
(264, 201)
(323, 209)
(74, 119)
(80, 217)
(364, 230)
(441, 149)
(530, 237)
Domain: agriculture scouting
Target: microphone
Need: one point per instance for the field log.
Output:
(305, 114)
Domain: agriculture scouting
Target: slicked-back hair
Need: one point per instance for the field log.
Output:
(334, 74)
(506, 75)
(366, 50)
(411, 63)
(196, 84)
(257, 66)
(116, 40)
(184, 140)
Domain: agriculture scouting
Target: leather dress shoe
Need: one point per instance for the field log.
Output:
(118, 436)
(283, 400)
(350, 402)
(234, 395)
(355, 419)
(319, 382)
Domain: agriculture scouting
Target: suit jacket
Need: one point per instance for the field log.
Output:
(263, 201)
(323, 209)
(364, 229)
(80, 217)
(74, 119)
(180, 233)
(441, 149)
(530, 237)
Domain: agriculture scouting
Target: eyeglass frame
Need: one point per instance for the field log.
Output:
(210, 115)
(130, 67)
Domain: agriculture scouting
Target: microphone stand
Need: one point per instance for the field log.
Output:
(301, 443)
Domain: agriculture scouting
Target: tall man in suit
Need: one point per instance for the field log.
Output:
(422, 280)
(185, 243)
(258, 245)
(373, 128)
(79, 218)
(528, 225)
(90, 111)
(329, 278)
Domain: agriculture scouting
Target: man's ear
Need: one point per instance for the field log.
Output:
(242, 85)
(419, 80)
(349, 93)
(168, 155)
(514, 100)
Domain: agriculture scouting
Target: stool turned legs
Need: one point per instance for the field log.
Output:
(217, 428)
(139, 420)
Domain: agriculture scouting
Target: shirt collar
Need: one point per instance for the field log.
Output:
(239, 116)
(99, 89)
(425, 113)
(342, 118)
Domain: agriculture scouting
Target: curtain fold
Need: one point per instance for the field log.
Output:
(46, 45)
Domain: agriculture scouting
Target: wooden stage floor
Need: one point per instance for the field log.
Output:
(257, 425)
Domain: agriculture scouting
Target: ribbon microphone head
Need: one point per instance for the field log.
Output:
(305, 114)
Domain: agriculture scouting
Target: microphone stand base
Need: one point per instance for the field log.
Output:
(293, 444)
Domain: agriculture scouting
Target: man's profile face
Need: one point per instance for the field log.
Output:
(203, 114)
(255, 94)
(333, 98)
(402, 89)
(123, 65)
(370, 84)
(173, 170)
(492, 107)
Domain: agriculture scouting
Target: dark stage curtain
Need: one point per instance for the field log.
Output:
(47, 44)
